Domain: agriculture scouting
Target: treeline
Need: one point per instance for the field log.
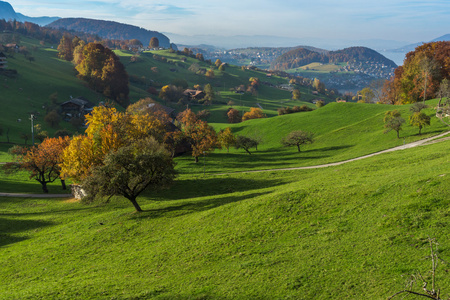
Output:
(44, 34)
(300, 57)
(111, 30)
(424, 75)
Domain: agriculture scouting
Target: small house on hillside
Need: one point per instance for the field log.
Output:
(15, 47)
(194, 94)
(3, 62)
(154, 107)
(76, 107)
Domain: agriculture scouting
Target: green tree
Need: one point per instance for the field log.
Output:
(393, 121)
(298, 138)
(419, 119)
(367, 95)
(320, 103)
(53, 119)
(245, 143)
(130, 170)
(226, 138)
(318, 86)
(209, 93)
(154, 43)
(417, 107)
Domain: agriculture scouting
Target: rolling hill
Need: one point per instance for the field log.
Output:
(301, 56)
(111, 30)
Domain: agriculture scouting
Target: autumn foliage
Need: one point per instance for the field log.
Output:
(420, 76)
(43, 161)
(254, 113)
(108, 130)
(201, 136)
(104, 72)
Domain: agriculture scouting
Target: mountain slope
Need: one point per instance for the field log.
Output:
(7, 12)
(111, 30)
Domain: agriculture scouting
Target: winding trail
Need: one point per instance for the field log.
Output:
(427, 141)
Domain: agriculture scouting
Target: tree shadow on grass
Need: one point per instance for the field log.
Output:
(213, 186)
(332, 148)
(8, 227)
(194, 206)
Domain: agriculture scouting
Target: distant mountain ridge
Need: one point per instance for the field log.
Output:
(301, 56)
(411, 47)
(111, 30)
(7, 12)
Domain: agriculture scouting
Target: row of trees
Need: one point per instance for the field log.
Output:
(393, 120)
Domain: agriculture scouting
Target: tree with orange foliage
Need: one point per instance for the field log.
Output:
(108, 130)
(43, 161)
(201, 136)
(234, 116)
(254, 113)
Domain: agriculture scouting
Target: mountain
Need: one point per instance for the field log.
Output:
(244, 41)
(411, 47)
(7, 12)
(300, 57)
(111, 30)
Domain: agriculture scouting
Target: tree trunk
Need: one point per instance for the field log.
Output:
(135, 204)
(196, 159)
(398, 134)
(63, 184)
(248, 151)
(44, 186)
(298, 147)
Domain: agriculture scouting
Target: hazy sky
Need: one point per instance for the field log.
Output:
(402, 20)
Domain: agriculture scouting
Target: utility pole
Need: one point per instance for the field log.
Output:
(32, 129)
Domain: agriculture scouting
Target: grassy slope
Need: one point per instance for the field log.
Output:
(342, 131)
(36, 81)
(344, 232)
(269, 98)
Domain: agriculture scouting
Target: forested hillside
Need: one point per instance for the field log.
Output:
(300, 57)
(111, 30)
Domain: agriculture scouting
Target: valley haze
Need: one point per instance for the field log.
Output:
(328, 24)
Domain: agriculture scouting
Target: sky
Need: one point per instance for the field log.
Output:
(408, 21)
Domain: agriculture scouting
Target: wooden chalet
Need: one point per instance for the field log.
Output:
(76, 107)
(154, 107)
(194, 94)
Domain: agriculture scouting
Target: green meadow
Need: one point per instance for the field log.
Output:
(354, 231)
(348, 232)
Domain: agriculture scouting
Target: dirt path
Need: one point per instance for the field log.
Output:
(427, 141)
(17, 195)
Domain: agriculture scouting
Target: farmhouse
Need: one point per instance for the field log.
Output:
(194, 94)
(3, 62)
(155, 107)
(76, 107)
